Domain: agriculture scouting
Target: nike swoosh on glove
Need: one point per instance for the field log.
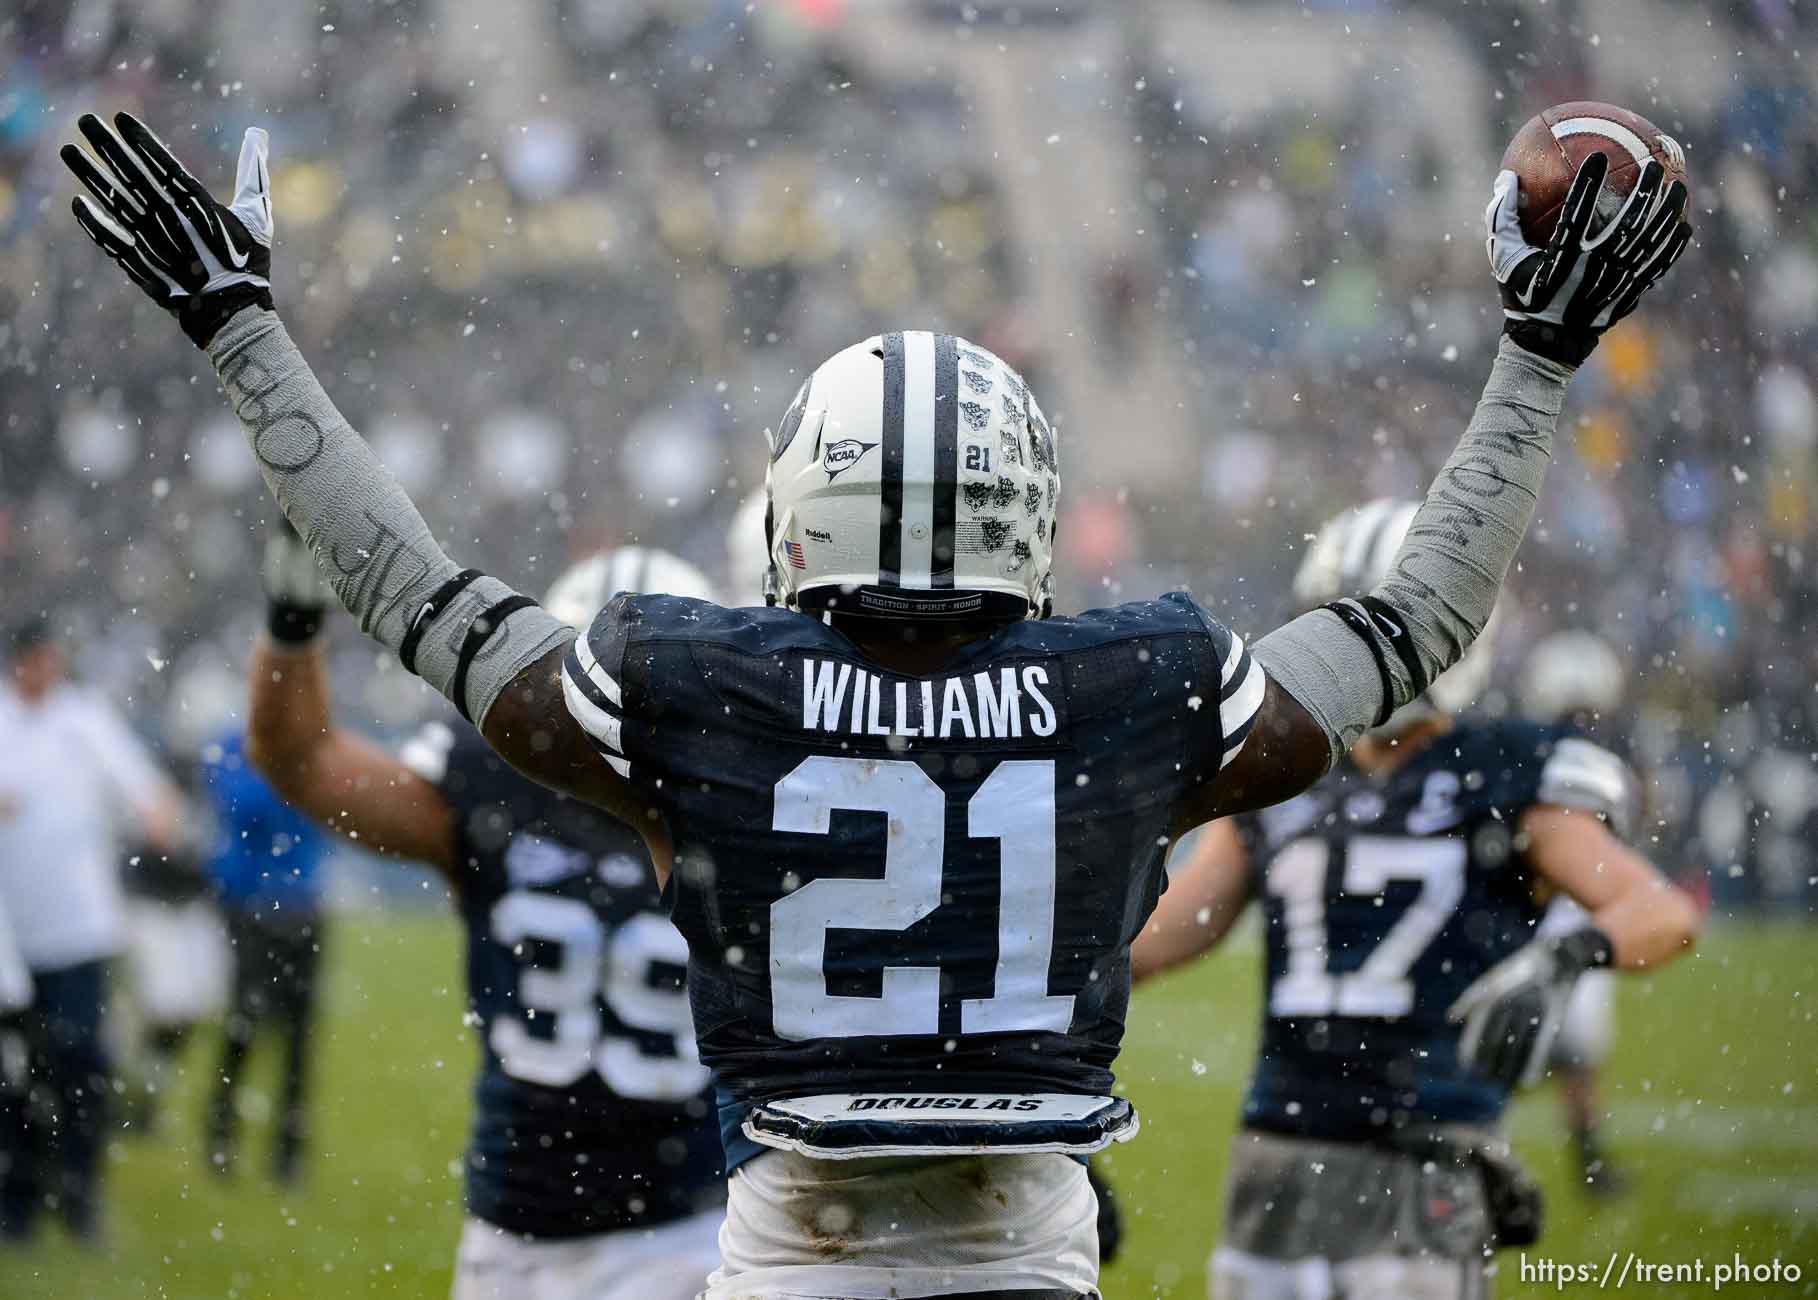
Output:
(199, 259)
(1557, 301)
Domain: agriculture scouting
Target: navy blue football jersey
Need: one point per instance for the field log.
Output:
(592, 1110)
(1384, 899)
(892, 882)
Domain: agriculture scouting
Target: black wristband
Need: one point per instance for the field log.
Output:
(478, 632)
(1360, 622)
(203, 317)
(432, 608)
(1554, 342)
(1390, 623)
(1586, 948)
(293, 624)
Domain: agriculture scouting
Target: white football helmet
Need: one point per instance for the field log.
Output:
(913, 476)
(1571, 672)
(1351, 554)
(583, 589)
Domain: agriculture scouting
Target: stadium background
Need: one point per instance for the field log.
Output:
(564, 261)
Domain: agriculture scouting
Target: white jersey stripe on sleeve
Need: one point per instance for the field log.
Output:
(598, 723)
(599, 676)
(1228, 669)
(1237, 711)
(572, 671)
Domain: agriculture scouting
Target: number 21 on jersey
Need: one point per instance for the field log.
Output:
(1014, 806)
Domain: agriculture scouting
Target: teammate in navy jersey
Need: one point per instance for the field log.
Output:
(1402, 896)
(909, 822)
(593, 1168)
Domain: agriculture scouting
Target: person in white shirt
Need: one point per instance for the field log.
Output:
(73, 777)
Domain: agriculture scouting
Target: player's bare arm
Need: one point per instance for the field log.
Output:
(1646, 918)
(338, 777)
(1205, 896)
(1636, 918)
(345, 781)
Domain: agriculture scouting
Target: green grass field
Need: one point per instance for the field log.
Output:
(1713, 1093)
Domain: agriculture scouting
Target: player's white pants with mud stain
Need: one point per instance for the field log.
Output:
(871, 1229)
(667, 1262)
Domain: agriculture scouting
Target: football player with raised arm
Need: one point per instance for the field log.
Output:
(909, 821)
(593, 1169)
(1403, 895)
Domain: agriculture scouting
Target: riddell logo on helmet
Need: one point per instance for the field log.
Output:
(843, 455)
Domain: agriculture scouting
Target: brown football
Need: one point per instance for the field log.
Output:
(1545, 154)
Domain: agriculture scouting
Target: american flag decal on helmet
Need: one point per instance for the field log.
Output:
(797, 560)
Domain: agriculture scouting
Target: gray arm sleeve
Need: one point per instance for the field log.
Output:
(1444, 580)
(368, 538)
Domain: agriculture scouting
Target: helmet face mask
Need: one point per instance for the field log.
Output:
(1349, 556)
(913, 477)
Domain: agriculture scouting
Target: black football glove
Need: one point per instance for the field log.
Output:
(199, 260)
(1557, 301)
(297, 596)
(1512, 1012)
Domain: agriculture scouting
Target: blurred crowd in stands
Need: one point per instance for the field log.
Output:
(564, 262)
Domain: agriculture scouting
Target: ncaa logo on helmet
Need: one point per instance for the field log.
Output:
(843, 455)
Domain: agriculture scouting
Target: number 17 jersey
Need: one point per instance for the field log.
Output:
(910, 883)
(1384, 900)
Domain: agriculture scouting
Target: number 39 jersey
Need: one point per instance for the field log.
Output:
(592, 1111)
(1384, 900)
(895, 883)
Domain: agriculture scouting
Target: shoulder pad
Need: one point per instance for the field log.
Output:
(1583, 775)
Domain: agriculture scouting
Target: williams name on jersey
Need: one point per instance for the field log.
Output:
(1000, 705)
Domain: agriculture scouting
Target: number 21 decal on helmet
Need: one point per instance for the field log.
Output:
(913, 476)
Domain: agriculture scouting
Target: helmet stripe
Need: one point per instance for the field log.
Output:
(946, 459)
(890, 488)
(918, 459)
